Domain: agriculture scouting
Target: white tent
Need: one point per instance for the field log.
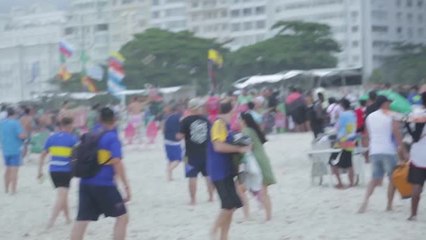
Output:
(267, 79)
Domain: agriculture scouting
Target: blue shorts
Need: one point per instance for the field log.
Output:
(13, 160)
(383, 164)
(174, 152)
(99, 200)
(193, 167)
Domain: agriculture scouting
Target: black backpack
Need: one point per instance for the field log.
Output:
(85, 156)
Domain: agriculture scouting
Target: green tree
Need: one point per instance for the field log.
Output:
(408, 66)
(166, 58)
(296, 45)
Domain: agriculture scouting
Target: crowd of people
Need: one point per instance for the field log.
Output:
(220, 137)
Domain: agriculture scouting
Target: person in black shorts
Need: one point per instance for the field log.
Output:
(59, 147)
(194, 129)
(99, 195)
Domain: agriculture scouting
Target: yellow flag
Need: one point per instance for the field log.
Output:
(215, 57)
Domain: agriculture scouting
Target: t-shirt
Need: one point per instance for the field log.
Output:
(333, 111)
(195, 128)
(257, 117)
(417, 152)
(59, 146)
(171, 127)
(244, 99)
(10, 131)
(346, 126)
(219, 165)
(109, 148)
(379, 126)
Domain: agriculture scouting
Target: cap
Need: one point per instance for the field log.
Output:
(195, 103)
(381, 100)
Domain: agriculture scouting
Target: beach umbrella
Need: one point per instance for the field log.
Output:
(364, 97)
(399, 103)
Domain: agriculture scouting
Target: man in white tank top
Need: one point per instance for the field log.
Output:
(385, 141)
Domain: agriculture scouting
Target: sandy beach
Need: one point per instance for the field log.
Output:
(159, 210)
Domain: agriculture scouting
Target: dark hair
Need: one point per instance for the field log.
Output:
(372, 95)
(423, 96)
(10, 112)
(332, 100)
(250, 105)
(363, 103)
(320, 95)
(345, 103)
(27, 110)
(225, 107)
(65, 103)
(95, 106)
(107, 115)
(66, 121)
(251, 123)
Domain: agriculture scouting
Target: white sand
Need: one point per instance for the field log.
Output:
(159, 209)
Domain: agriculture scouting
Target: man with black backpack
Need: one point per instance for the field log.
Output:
(99, 193)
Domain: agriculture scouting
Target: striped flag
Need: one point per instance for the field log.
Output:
(66, 49)
(88, 84)
(215, 61)
(64, 74)
(115, 73)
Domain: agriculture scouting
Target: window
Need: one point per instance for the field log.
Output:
(260, 24)
(420, 3)
(409, 3)
(235, 27)
(399, 16)
(224, 13)
(102, 27)
(247, 12)
(235, 13)
(398, 3)
(380, 15)
(355, 43)
(355, 29)
(69, 31)
(420, 32)
(410, 32)
(155, 2)
(399, 30)
(380, 29)
(155, 14)
(420, 18)
(410, 18)
(260, 10)
(248, 25)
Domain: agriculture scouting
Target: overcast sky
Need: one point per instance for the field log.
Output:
(6, 5)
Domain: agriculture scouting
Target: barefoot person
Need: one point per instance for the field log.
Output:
(172, 144)
(194, 129)
(383, 133)
(99, 195)
(12, 137)
(346, 137)
(59, 147)
(252, 129)
(417, 172)
(221, 170)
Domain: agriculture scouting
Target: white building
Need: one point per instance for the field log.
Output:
(28, 52)
(98, 27)
(365, 30)
(238, 22)
(169, 14)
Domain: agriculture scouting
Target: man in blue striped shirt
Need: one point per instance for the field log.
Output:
(59, 146)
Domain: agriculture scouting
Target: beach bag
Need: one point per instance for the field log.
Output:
(253, 175)
(85, 156)
(400, 181)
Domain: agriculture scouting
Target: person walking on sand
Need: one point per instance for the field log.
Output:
(221, 170)
(346, 140)
(417, 172)
(251, 129)
(59, 146)
(385, 141)
(194, 129)
(172, 145)
(12, 138)
(99, 194)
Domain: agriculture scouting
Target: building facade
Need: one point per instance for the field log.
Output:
(28, 52)
(169, 14)
(365, 30)
(95, 28)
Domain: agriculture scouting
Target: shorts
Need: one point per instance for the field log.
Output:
(383, 164)
(345, 160)
(97, 200)
(173, 152)
(299, 115)
(13, 160)
(195, 166)
(61, 179)
(416, 175)
(227, 193)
